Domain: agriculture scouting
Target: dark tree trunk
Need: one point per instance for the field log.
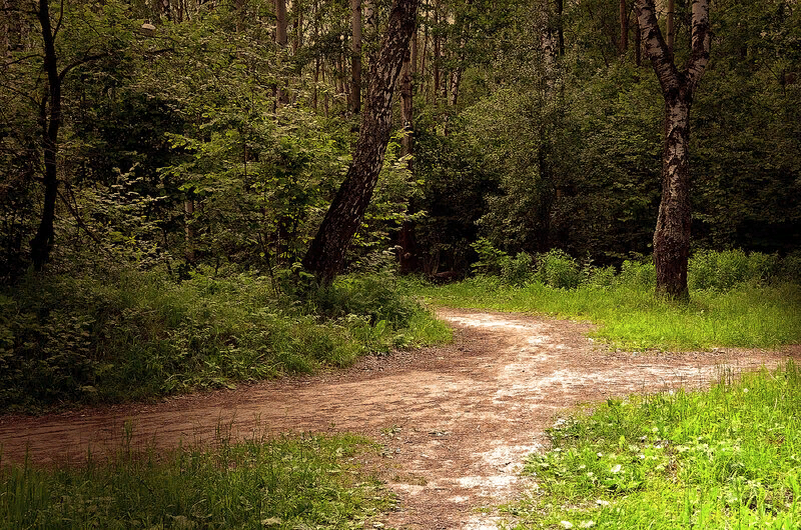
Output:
(50, 122)
(624, 26)
(672, 235)
(327, 251)
(356, 56)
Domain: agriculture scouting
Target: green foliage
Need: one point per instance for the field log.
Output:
(726, 458)
(724, 270)
(558, 270)
(631, 316)
(133, 335)
(286, 483)
(490, 259)
(518, 270)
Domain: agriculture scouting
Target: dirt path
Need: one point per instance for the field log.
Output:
(456, 420)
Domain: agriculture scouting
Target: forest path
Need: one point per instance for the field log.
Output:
(456, 420)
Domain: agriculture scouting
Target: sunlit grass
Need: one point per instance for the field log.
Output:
(726, 458)
(630, 316)
(293, 482)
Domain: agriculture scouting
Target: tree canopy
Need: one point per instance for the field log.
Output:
(179, 133)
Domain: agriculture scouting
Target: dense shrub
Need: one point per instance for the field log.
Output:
(557, 269)
(721, 271)
(638, 273)
(518, 270)
(132, 335)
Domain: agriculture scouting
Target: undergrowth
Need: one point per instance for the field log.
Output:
(723, 459)
(288, 483)
(135, 335)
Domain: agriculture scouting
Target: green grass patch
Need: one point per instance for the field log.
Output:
(630, 316)
(133, 335)
(289, 483)
(727, 458)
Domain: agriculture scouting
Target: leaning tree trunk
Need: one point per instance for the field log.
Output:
(327, 251)
(672, 235)
(50, 122)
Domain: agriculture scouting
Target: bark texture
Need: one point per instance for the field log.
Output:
(672, 235)
(356, 56)
(327, 251)
(50, 122)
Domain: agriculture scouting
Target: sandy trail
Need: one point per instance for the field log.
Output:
(456, 421)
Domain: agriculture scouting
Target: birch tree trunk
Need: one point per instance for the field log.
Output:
(327, 252)
(672, 235)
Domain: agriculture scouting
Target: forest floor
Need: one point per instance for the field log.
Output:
(456, 421)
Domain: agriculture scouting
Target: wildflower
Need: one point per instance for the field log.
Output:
(566, 524)
(616, 469)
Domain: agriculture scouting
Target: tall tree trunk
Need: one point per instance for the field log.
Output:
(327, 251)
(281, 40)
(672, 235)
(356, 56)
(624, 26)
(407, 255)
(435, 60)
(560, 27)
(637, 43)
(50, 123)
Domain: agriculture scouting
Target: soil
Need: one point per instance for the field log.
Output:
(456, 421)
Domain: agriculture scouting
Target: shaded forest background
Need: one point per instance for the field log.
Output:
(215, 134)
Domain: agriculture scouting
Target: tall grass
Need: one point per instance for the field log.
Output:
(134, 335)
(289, 483)
(629, 315)
(726, 458)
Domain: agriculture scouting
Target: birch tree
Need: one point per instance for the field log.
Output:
(346, 212)
(672, 235)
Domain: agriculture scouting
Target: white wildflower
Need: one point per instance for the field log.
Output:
(566, 524)
(616, 469)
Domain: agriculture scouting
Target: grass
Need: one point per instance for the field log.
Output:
(288, 483)
(135, 335)
(727, 458)
(630, 316)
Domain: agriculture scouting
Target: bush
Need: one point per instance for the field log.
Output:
(490, 259)
(722, 271)
(638, 273)
(557, 269)
(518, 270)
(789, 269)
(134, 335)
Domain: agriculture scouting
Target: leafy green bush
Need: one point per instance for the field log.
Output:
(518, 270)
(133, 335)
(490, 259)
(376, 297)
(557, 269)
(721, 271)
(638, 273)
(789, 269)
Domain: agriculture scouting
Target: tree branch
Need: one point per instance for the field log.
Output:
(85, 59)
(657, 48)
(701, 43)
